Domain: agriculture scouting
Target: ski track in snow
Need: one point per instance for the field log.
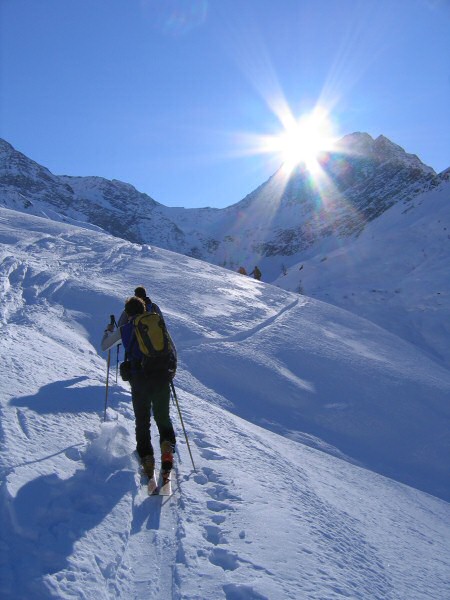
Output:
(243, 335)
(151, 544)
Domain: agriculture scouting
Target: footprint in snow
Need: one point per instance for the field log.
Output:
(201, 479)
(215, 506)
(208, 476)
(241, 592)
(211, 455)
(211, 475)
(214, 535)
(201, 443)
(224, 559)
(221, 492)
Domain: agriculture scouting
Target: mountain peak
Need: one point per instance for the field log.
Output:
(386, 149)
(358, 136)
(382, 149)
(4, 145)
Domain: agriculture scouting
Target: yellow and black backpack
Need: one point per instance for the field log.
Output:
(154, 341)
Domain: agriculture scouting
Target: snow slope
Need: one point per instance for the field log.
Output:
(395, 273)
(290, 404)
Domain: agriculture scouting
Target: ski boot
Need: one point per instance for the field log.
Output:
(148, 465)
(166, 460)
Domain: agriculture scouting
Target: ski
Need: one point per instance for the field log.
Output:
(160, 485)
(152, 485)
(165, 483)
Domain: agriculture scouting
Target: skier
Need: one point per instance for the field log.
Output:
(256, 273)
(242, 271)
(150, 391)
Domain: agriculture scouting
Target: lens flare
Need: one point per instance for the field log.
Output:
(303, 140)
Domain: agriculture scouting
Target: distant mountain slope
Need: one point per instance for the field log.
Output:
(395, 273)
(289, 221)
(285, 217)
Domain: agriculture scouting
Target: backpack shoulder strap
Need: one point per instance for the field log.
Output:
(129, 339)
(154, 308)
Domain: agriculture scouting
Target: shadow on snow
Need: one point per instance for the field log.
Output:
(42, 523)
(67, 396)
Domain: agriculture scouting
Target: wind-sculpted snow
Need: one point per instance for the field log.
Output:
(282, 397)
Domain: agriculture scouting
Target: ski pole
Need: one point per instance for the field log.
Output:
(117, 362)
(112, 321)
(182, 423)
(118, 348)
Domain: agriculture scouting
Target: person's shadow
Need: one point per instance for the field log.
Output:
(49, 514)
(62, 397)
(41, 524)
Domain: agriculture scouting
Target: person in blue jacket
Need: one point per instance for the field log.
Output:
(149, 393)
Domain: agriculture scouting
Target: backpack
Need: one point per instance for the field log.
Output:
(154, 342)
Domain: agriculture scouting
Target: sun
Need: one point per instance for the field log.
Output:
(304, 139)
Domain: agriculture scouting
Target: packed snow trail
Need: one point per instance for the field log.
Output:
(76, 522)
(145, 569)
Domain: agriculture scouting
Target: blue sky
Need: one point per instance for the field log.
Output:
(163, 94)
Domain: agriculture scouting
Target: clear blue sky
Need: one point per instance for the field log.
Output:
(158, 93)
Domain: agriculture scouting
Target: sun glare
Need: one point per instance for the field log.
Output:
(303, 140)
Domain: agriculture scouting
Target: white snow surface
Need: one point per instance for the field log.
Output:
(320, 440)
(395, 273)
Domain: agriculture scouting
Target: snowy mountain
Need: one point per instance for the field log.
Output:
(317, 437)
(295, 212)
(395, 273)
(340, 238)
(111, 205)
(283, 218)
(274, 225)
